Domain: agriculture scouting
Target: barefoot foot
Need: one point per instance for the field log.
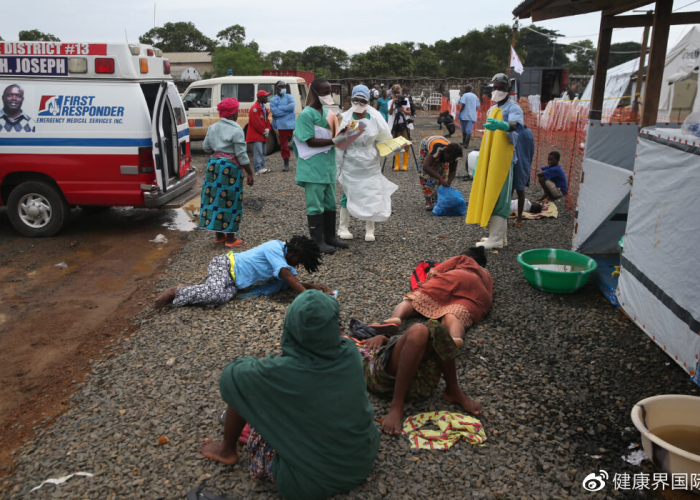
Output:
(217, 451)
(394, 320)
(458, 342)
(166, 297)
(393, 422)
(468, 404)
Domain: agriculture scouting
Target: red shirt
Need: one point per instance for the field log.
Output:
(258, 121)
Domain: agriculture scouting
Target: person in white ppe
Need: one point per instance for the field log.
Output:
(366, 192)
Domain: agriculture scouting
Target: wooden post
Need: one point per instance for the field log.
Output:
(601, 67)
(657, 59)
(640, 71)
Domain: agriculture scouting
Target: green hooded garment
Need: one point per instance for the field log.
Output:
(310, 404)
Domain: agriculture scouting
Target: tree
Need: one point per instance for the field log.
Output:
(425, 62)
(283, 60)
(391, 59)
(178, 37)
(233, 35)
(584, 53)
(240, 59)
(535, 49)
(325, 60)
(37, 36)
(616, 59)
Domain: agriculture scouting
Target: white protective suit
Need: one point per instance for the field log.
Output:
(359, 171)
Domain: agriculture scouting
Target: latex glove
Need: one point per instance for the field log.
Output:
(492, 125)
(340, 138)
(266, 132)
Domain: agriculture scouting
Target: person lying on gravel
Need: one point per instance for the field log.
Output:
(410, 365)
(269, 267)
(458, 292)
(311, 423)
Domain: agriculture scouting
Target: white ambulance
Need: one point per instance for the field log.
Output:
(88, 124)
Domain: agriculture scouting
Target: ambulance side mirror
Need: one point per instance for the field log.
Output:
(187, 105)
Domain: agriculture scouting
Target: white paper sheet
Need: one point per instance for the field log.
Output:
(306, 152)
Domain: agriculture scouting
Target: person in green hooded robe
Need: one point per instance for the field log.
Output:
(311, 422)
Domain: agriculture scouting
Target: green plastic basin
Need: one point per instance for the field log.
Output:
(556, 271)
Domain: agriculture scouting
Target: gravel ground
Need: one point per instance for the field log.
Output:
(557, 374)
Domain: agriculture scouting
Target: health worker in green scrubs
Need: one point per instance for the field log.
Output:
(317, 173)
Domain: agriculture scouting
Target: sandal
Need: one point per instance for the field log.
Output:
(237, 243)
(220, 239)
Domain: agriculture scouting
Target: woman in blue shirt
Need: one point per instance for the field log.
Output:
(383, 102)
(267, 268)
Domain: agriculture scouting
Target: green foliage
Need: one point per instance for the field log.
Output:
(241, 59)
(1, 39)
(537, 50)
(233, 35)
(325, 60)
(391, 59)
(178, 37)
(583, 62)
(617, 59)
(283, 60)
(37, 36)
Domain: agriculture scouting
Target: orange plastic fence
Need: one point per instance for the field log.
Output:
(561, 127)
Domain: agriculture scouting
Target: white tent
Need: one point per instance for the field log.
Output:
(679, 89)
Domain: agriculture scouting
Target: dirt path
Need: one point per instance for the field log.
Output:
(54, 320)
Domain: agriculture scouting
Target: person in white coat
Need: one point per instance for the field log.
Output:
(366, 192)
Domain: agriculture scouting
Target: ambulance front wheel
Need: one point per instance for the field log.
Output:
(37, 209)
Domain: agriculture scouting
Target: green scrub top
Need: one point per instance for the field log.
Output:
(321, 167)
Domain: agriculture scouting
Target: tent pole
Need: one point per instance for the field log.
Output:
(601, 67)
(640, 71)
(657, 59)
(512, 44)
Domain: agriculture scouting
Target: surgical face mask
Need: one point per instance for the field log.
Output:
(359, 108)
(325, 99)
(498, 95)
(283, 91)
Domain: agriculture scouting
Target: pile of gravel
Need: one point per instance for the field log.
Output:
(556, 374)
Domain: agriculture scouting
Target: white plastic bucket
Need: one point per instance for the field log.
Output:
(660, 411)
(472, 158)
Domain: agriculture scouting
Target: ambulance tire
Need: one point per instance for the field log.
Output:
(51, 195)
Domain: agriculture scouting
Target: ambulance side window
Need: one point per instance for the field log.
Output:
(244, 92)
(199, 97)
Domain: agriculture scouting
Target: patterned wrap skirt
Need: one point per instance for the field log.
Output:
(428, 183)
(380, 381)
(222, 195)
(261, 455)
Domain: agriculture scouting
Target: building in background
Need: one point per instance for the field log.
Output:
(188, 67)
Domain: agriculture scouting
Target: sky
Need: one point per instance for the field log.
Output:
(295, 25)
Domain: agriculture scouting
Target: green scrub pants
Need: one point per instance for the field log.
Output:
(319, 198)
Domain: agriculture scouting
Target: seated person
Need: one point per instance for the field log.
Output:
(270, 266)
(528, 206)
(411, 365)
(312, 426)
(445, 118)
(552, 178)
(438, 160)
(458, 292)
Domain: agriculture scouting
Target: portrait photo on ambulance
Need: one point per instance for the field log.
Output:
(12, 117)
(89, 125)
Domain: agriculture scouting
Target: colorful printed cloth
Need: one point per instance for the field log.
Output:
(430, 184)
(261, 455)
(218, 288)
(428, 374)
(222, 195)
(549, 211)
(453, 427)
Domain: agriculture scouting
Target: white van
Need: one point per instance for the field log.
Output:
(91, 125)
(201, 99)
